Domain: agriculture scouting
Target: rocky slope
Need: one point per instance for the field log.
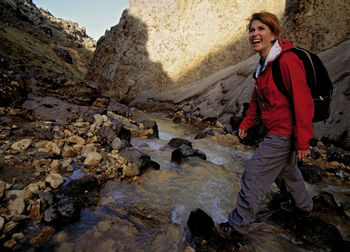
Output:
(166, 44)
(34, 41)
(222, 95)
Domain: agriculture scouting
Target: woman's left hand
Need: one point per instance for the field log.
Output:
(302, 153)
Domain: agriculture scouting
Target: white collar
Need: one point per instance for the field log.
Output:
(274, 51)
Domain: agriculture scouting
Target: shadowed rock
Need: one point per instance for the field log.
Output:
(185, 151)
(149, 124)
(176, 142)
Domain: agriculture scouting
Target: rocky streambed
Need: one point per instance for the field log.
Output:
(72, 166)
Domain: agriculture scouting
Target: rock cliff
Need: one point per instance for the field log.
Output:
(166, 44)
(35, 42)
(162, 44)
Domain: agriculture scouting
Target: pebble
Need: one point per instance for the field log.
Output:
(17, 206)
(2, 188)
(10, 226)
(92, 159)
(35, 211)
(54, 179)
(21, 145)
(2, 222)
(45, 234)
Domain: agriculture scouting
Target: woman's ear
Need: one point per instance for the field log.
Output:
(274, 37)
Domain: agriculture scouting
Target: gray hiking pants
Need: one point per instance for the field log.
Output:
(275, 157)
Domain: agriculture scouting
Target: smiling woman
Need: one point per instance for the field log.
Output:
(95, 16)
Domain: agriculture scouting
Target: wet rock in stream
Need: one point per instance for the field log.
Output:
(310, 231)
(184, 151)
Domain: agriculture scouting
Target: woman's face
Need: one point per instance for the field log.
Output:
(261, 38)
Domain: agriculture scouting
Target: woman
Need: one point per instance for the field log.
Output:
(289, 126)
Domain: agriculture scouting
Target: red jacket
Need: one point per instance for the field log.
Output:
(276, 111)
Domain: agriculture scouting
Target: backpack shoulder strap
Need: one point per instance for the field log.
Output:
(277, 78)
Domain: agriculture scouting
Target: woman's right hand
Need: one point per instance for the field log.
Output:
(242, 133)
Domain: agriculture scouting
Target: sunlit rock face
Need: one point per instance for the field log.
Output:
(317, 25)
(163, 44)
(167, 43)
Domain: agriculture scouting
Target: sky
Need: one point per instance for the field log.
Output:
(96, 16)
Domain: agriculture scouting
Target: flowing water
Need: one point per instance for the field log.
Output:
(150, 214)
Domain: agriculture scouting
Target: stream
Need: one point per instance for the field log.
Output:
(150, 214)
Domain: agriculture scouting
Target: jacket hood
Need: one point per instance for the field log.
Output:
(285, 45)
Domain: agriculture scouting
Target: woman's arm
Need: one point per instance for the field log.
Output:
(248, 120)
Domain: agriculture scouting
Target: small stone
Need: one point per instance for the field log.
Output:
(117, 144)
(67, 132)
(60, 236)
(33, 188)
(2, 222)
(77, 148)
(189, 249)
(54, 179)
(10, 226)
(76, 139)
(17, 236)
(16, 207)
(12, 194)
(131, 169)
(88, 148)
(69, 168)
(21, 145)
(2, 188)
(54, 148)
(335, 163)
(98, 120)
(45, 234)
(68, 152)
(9, 243)
(92, 159)
(35, 211)
(55, 164)
(66, 162)
(103, 226)
(19, 218)
(66, 247)
(219, 125)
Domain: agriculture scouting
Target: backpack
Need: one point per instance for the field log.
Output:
(317, 79)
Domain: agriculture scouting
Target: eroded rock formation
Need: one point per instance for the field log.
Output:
(166, 44)
(162, 44)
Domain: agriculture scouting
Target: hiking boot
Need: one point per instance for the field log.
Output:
(287, 206)
(302, 213)
(226, 231)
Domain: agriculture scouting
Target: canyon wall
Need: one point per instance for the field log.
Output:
(163, 44)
